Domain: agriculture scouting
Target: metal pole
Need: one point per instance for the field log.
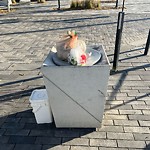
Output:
(147, 44)
(58, 4)
(118, 39)
(123, 5)
(8, 5)
(116, 4)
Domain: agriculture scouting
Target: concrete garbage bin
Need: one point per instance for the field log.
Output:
(40, 105)
(77, 94)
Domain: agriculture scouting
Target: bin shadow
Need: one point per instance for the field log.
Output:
(21, 129)
(147, 147)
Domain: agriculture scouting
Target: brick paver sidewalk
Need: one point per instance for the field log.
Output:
(26, 37)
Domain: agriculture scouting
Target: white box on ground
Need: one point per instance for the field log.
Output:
(41, 108)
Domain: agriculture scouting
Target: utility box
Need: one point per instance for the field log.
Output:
(41, 108)
(77, 93)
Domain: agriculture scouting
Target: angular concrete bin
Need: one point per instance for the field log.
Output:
(77, 94)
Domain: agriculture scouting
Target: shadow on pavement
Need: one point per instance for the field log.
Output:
(120, 82)
(69, 27)
(21, 130)
(20, 93)
(147, 147)
(128, 51)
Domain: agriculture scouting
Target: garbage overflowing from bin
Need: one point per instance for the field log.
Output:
(76, 82)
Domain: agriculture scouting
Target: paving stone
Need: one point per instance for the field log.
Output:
(28, 120)
(27, 147)
(19, 132)
(97, 135)
(127, 136)
(126, 122)
(11, 125)
(25, 114)
(23, 67)
(144, 123)
(6, 146)
(137, 129)
(141, 136)
(49, 133)
(125, 98)
(137, 102)
(136, 83)
(140, 88)
(105, 143)
(55, 147)
(122, 107)
(141, 107)
(2, 131)
(75, 141)
(135, 148)
(117, 117)
(107, 122)
(122, 112)
(4, 139)
(139, 117)
(128, 90)
(146, 112)
(131, 144)
(13, 120)
(83, 148)
(21, 140)
(105, 148)
(66, 133)
(48, 140)
(144, 77)
(111, 129)
(114, 102)
(111, 112)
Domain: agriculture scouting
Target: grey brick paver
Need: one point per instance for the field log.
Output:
(47, 140)
(21, 140)
(36, 132)
(27, 147)
(105, 148)
(146, 112)
(83, 148)
(141, 136)
(141, 107)
(131, 144)
(117, 117)
(4, 139)
(144, 123)
(66, 133)
(105, 143)
(55, 147)
(22, 132)
(111, 129)
(139, 117)
(75, 141)
(96, 135)
(130, 112)
(127, 136)
(137, 129)
(7, 146)
(26, 37)
(126, 123)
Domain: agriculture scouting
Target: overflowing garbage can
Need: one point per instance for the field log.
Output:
(76, 94)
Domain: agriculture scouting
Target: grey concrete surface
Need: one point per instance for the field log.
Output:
(26, 37)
